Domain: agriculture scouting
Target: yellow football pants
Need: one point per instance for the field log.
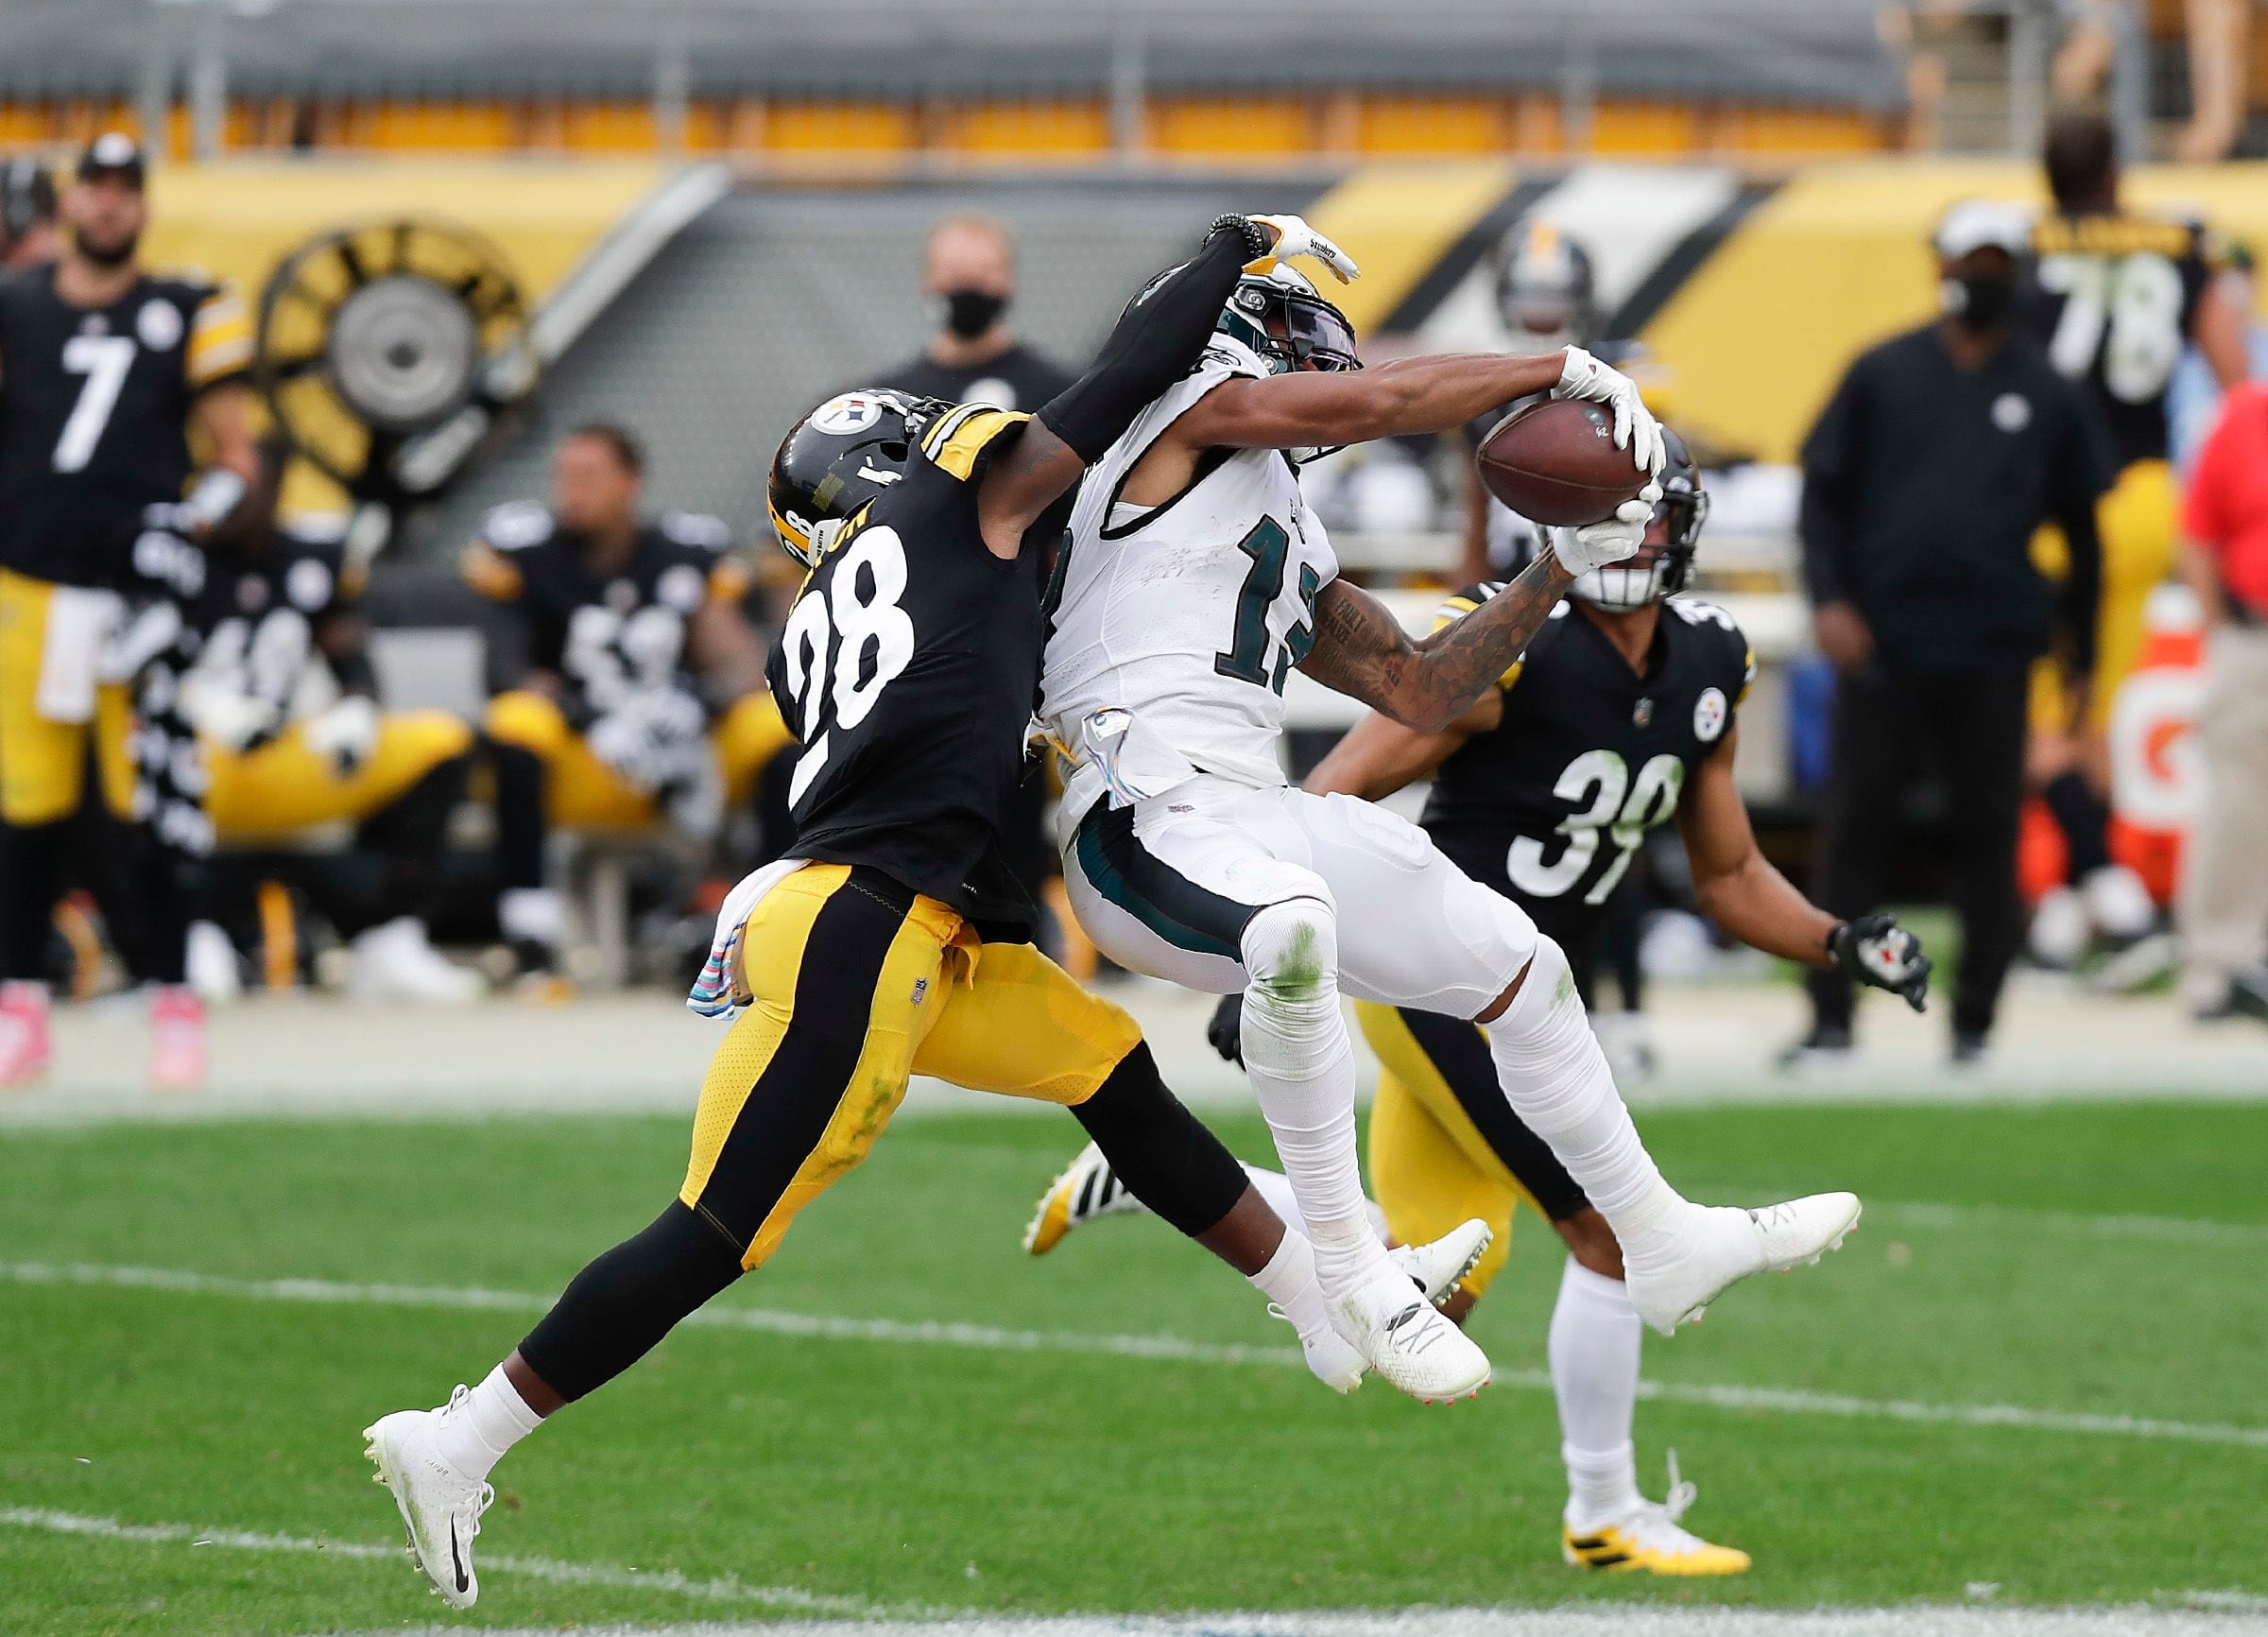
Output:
(286, 787)
(43, 764)
(583, 793)
(1430, 1167)
(2138, 523)
(855, 986)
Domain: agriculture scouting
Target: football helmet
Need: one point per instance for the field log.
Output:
(1283, 318)
(1543, 284)
(1664, 563)
(836, 459)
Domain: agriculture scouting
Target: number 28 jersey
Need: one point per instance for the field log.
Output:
(1549, 806)
(1179, 621)
(907, 667)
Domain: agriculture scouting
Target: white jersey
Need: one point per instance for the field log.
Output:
(1175, 625)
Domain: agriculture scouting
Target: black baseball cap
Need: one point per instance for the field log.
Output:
(113, 153)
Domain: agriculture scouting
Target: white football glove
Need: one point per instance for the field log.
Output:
(1296, 238)
(1635, 428)
(1597, 544)
(345, 735)
(229, 716)
(646, 738)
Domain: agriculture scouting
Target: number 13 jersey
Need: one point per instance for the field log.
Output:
(907, 667)
(1179, 621)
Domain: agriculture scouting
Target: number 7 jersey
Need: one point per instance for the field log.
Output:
(1173, 627)
(907, 668)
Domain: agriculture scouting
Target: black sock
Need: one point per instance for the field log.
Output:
(618, 1307)
(2085, 819)
(31, 862)
(520, 823)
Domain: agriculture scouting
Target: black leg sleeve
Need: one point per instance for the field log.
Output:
(2085, 819)
(520, 819)
(1163, 1153)
(618, 1307)
(32, 863)
(408, 834)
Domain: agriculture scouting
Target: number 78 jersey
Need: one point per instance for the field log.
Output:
(1173, 627)
(907, 667)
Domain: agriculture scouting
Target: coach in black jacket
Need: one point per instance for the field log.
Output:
(1940, 454)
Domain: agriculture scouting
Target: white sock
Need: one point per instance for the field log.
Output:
(1300, 1061)
(1594, 1343)
(1556, 1077)
(474, 1436)
(1276, 1188)
(1289, 1281)
(532, 914)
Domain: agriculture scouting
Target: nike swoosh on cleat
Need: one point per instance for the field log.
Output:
(456, 1560)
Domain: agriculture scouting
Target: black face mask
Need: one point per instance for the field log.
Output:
(1980, 303)
(969, 313)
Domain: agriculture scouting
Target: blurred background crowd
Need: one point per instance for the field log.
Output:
(407, 634)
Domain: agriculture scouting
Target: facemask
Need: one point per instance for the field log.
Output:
(1979, 302)
(969, 313)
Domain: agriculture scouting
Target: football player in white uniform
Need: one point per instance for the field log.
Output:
(1193, 580)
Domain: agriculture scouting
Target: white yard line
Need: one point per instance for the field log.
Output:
(993, 1339)
(713, 1589)
(2020, 1219)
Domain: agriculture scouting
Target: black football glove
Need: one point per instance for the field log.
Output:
(1876, 950)
(1227, 1029)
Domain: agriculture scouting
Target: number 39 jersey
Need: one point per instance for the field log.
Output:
(1186, 615)
(2119, 295)
(94, 414)
(1549, 806)
(907, 667)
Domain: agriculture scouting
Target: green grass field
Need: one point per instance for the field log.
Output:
(2081, 1264)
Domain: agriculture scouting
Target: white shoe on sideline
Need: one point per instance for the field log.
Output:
(1408, 1341)
(1672, 1273)
(1439, 1268)
(441, 1507)
(209, 965)
(397, 961)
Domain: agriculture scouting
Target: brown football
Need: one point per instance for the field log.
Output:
(1555, 462)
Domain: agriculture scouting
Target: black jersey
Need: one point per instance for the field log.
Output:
(909, 667)
(607, 635)
(254, 624)
(2118, 297)
(1017, 379)
(94, 414)
(1550, 805)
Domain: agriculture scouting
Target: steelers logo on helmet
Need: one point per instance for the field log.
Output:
(836, 459)
(1663, 563)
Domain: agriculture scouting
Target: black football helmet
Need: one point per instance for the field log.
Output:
(1664, 564)
(838, 459)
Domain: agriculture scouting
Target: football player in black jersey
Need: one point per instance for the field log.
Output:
(634, 683)
(2122, 293)
(105, 371)
(241, 634)
(1619, 716)
(892, 940)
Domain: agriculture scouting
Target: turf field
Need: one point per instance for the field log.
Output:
(2032, 1379)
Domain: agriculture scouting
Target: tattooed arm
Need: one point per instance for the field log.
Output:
(1362, 650)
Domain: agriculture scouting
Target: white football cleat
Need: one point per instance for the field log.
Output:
(1676, 1272)
(1439, 1268)
(397, 961)
(1087, 1189)
(1408, 1342)
(441, 1507)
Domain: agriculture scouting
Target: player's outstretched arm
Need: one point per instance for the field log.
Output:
(1408, 398)
(1379, 756)
(1362, 650)
(1737, 887)
(1155, 342)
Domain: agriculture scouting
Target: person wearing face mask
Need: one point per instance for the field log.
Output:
(1940, 453)
(969, 274)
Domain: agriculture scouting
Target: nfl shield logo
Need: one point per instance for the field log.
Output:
(1642, 713)
(920, 990)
